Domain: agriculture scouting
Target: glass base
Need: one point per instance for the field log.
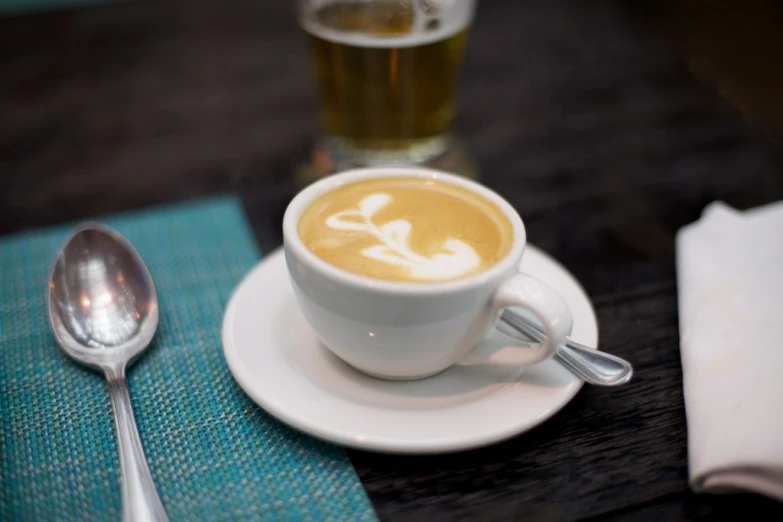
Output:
(329, 156)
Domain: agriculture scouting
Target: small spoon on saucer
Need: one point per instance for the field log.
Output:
(103, 311)
(590, 365)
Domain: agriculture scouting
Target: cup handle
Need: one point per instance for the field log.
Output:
(529, 293)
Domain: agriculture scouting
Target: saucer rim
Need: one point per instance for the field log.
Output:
(375, 443)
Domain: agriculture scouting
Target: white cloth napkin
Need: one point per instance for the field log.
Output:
(730, 290)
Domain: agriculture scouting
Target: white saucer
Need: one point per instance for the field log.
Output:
(276, 358)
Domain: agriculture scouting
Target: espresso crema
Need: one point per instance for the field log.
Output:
(406, 229)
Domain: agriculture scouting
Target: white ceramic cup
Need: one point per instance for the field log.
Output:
(401, 330)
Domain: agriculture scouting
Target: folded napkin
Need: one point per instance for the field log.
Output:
(214, 454)
(730, 289)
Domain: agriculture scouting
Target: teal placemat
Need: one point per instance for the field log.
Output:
(214, 454)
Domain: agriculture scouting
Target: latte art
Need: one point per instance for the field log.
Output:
(406, 229)
(459, 259)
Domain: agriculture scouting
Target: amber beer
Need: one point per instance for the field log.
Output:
(387, 69)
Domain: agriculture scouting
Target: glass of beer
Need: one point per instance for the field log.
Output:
(386, 72)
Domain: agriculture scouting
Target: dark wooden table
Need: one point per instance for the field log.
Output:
(580, 115)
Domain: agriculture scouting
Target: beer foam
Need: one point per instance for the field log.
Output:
(406, 229)
(393, 248)
(453, 16)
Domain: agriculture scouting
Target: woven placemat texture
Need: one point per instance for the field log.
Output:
(214, 454)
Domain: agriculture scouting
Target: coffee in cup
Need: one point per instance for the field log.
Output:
(402, 272)
(406, 229)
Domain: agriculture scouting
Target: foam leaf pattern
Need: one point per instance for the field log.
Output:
(394, 248)
(337, 221)
(388, 255)
(367, 208)
(373, 203)
(447, 266)
(398, 231)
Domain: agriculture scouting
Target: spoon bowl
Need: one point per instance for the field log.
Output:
(102, 300)
(103, 310)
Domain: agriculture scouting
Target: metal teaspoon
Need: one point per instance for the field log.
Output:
(590, 365)
(103, 311)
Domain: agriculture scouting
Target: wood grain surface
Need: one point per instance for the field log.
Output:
(586, 120)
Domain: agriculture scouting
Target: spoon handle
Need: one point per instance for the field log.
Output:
(140, 500)
(590, 365)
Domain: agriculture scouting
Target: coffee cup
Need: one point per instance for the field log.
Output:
(402, 272)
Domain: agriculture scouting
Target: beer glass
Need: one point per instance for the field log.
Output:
(386, 72)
